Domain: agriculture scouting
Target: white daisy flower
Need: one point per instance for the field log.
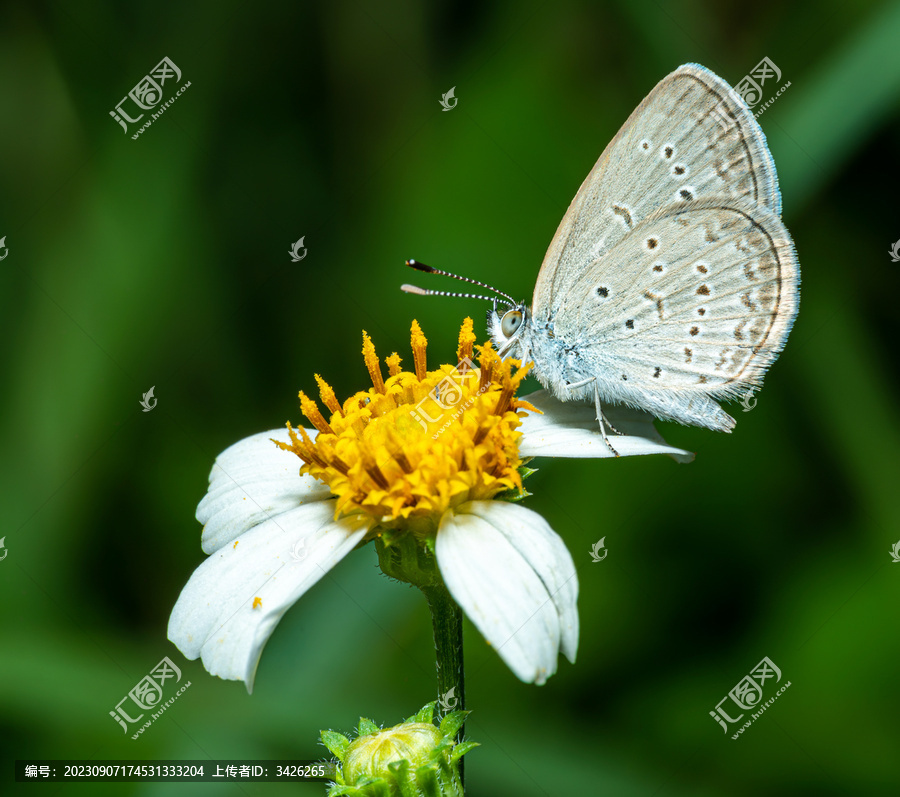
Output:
(423, 456)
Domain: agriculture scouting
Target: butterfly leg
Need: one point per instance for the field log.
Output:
(601, 418)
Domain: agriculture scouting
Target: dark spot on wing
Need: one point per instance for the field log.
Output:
(703, 290)
(659, 302)
(601, 291)
(630, 323)
(624, 213)
(695, 330)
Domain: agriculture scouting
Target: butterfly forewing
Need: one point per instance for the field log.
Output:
(691, 138)
(699, 299)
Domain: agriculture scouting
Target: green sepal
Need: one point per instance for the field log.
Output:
(408, 558)
(451, 723)
(525, 472)
(516, 494)
(424, 714)
(336, 742)
(342, 791)
(428, 782)
(366, 727)
(461, 749)
(402, 781)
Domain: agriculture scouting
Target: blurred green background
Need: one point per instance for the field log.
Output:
(164, 261)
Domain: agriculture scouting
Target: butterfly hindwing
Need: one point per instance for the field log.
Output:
(696, 302)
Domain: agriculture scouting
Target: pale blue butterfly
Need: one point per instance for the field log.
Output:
(671, 281)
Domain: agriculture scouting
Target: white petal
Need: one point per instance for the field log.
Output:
(570, 429)
(500, 591)
(545, 551)
(251, 481)
(233, 601)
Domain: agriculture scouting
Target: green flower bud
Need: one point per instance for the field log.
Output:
(412, 758)
(370, 755)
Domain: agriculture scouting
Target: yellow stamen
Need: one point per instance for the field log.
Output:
(486, 360)
(371, 359)
(393, 364)
(466, 341)
(419, 344)
(327, 394)
(311, 410)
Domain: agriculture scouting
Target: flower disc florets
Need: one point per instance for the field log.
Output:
(421, 442)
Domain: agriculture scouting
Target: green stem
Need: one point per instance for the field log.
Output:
(446, 618)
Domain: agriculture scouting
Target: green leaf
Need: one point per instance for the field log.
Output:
(366, 727)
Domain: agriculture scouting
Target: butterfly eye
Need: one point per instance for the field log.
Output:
(511, 322)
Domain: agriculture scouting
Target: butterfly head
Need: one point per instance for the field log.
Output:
(507, 326)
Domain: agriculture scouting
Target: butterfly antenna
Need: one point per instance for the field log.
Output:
(423, 292)
(429, 270)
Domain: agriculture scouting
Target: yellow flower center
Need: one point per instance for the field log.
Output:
(421, 442)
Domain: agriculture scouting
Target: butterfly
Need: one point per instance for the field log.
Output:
(671, 283)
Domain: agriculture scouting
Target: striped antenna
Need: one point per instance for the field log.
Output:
(429, 270)
(424, 292)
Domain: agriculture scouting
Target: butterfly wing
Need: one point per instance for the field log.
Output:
(694, 304)
(691, 138)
